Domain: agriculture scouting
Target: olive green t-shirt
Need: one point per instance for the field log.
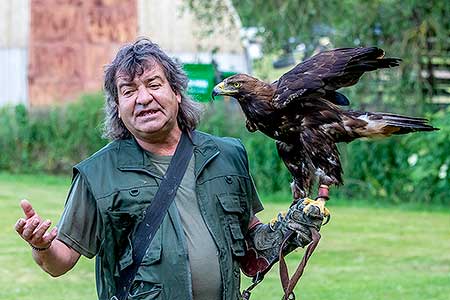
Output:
(203, 260)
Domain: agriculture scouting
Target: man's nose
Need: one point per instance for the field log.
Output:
(144, 97)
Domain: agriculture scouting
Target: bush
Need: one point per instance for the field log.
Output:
(269, 172)
(50, 140)
(411, 168)
(401, 169)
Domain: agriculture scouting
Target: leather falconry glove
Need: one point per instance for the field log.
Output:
(264, 240)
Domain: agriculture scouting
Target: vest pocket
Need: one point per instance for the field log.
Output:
(231, 217)
(123, 224)
(230, 203)
(237, 244)
(152, 256)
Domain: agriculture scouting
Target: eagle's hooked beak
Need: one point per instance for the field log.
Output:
(219, 89)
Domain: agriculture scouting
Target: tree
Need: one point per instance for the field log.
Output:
(417, 31)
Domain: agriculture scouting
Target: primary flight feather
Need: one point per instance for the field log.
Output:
(302, 112)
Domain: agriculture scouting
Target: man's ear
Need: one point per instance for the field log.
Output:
(178, 98)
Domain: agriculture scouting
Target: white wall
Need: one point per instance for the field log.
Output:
(177, 32)
(13, 76)
(14, 31)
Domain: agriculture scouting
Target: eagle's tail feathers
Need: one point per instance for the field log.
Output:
(386, 124)
(407, 124)
(404, 128)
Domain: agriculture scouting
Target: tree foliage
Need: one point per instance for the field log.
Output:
(412, 168)
(416, 31)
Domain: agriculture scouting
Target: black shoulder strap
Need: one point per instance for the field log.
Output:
(155, 213)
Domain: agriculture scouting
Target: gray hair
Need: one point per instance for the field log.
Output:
(131, 60)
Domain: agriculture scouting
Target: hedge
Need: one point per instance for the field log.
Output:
(411, 168)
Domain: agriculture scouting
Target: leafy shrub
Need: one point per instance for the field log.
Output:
(51, 139)
(412, 168)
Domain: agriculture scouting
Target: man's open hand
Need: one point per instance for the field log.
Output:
(33, 229)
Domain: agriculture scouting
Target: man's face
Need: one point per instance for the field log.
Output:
(147, 104)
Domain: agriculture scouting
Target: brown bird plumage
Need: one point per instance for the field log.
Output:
(302, 112)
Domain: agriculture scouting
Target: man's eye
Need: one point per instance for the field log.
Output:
(127, 93)
(154, 86)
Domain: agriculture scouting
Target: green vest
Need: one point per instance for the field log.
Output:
(123, 186)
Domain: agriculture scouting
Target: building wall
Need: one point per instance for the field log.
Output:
(177, 31)
(71, 41)
(14, 32)
(51, 51)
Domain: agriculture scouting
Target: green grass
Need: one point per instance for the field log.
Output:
(366, 252)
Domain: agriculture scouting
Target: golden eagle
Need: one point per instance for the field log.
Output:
(302, 112)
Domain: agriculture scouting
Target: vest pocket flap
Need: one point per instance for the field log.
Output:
(237, 244)
(236, 232)
(230, 203)
(122, 219)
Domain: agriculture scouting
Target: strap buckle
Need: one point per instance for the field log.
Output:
(255, 281)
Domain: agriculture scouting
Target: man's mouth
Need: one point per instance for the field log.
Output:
(147, 112)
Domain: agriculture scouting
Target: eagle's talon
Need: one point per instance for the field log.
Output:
(327, 219)
(320, 204)
(281, 215)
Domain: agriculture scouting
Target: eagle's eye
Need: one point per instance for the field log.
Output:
(236, 84)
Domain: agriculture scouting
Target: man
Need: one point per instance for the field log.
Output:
(195, 252)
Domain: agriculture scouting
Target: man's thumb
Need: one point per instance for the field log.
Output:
(27, 208)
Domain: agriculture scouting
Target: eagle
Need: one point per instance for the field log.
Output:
(303, 112)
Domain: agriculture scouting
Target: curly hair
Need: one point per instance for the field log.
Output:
(131, 60)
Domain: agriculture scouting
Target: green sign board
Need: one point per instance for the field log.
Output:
(202, 79)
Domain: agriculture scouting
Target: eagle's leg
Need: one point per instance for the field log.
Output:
(297, 192)
(319, 202)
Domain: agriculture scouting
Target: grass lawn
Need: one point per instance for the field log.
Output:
(365, 252)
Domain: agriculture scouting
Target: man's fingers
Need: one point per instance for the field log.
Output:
(40, 231)
(19, 225)
(27, 209)
(29, 228)
(296, 226)
(50, 236)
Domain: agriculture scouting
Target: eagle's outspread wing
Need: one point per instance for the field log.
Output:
(302, 112)
(324, 73)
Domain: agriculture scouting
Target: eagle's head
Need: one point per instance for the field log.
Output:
(240, 86)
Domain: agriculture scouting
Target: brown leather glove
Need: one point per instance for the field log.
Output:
(264, 240)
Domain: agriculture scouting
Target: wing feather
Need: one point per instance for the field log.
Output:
(328, 71)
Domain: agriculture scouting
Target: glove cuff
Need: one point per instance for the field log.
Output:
(264, 241)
